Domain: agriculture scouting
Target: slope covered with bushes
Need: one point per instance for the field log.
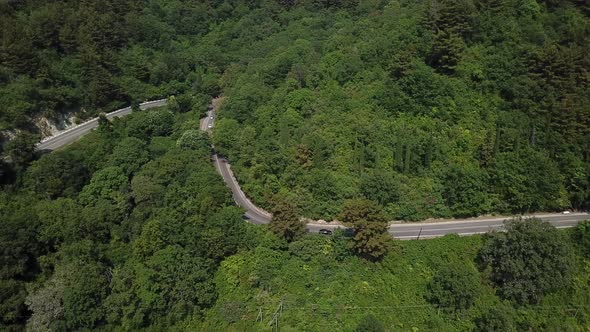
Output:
(369, 110)
(433, 109)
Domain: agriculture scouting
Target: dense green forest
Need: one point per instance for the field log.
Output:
(125, 228)
(132, 228)
(432, 109)
(363, 111)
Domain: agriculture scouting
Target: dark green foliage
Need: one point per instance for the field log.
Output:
(59, 220)
(495, 319)
(82, 299)
(371, 239)
(528, 261)
(380, 187)
(453, 287)
(446, 51)
(369, 323)
(286, 221)
(18, 262)
(182, 103)
(581, 237)
(58, 174)
(450, 22)
(466, 190)
(527, 182)
(12, 308)
(21, 149)
(144, 190)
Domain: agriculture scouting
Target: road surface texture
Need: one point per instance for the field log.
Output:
(256, 215)
(409, 231)
(73, 134)
(253, 214)
(403, 231)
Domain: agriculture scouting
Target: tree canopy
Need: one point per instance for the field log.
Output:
(528, 261)
(361, 111)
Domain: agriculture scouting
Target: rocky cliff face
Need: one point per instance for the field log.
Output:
(45, 127)
(49, 127)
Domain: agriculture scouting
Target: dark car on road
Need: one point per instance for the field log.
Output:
(325, 232)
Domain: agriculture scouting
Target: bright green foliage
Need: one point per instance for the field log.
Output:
(110, 183)
(170, 283)
(223, 136)
(434, 108)
(322, 292)
(528, 261)
(130, 154)
(429, 108)
(371, 239)
(151, 123)
(193, 139)
(396, 102)
(419, 198)
(454, 287)
(133, 242)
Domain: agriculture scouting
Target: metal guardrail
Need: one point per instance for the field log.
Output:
(143, 106)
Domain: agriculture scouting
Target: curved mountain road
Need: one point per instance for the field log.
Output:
(256, 215)
(402, 231)
(73, 134)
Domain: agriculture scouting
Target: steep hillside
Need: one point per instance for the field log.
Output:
(432, 109)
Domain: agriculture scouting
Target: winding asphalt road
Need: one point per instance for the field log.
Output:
(256, 215)
(73, 134)
(402, 231)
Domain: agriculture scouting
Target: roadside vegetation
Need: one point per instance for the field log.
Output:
(126, 228)
(444, 284)
(131, 228)
(363, 111)
(429, 108)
